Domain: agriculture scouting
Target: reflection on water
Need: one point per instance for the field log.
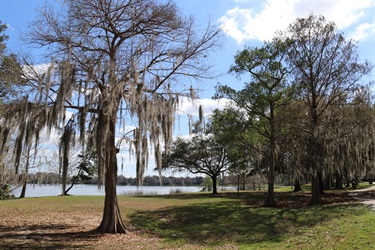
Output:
(82, 189)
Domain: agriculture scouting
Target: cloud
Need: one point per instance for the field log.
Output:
(261, 22)
(363, 31)
(208, 105)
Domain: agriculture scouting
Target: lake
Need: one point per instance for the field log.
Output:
(82, 189)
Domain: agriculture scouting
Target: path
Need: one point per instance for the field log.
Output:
(366, 196)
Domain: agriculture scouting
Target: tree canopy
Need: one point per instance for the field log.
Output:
(201, 154)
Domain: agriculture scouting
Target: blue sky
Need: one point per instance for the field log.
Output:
(244, 22)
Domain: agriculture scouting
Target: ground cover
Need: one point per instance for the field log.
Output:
(192, 221)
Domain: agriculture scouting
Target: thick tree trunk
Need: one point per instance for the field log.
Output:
(270, 197)
(321, 184)
(214, 184)
(64, 175)
(297, 186)
(338, 182)
(315, 190)
(111, 221)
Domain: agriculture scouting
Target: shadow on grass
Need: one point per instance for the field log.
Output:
(233, 222)
(256, 198)
(45, 237)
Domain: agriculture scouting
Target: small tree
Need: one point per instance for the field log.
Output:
(86, 170)
(201, 154)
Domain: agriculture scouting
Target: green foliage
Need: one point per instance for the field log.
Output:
(202, 154)
(5, 192)
(10, 72)
(207, 184)
(86, 168)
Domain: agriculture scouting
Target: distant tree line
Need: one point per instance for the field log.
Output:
(154, 180)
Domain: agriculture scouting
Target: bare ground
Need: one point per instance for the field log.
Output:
(366, 196)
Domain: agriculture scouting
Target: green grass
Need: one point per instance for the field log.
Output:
(224, 221)
(204, 221)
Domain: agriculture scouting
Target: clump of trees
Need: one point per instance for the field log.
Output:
(305, 111)
(306, 97)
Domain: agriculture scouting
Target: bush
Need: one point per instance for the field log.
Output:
(5, 192)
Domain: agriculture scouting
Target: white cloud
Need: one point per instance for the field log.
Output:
(261, 22)
(363, 31)
(208, 105)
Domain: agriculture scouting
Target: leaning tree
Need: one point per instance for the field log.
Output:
(115, 62)
(327, 72)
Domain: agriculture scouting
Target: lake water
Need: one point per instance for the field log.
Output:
(81, 189)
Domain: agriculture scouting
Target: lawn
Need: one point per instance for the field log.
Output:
(191, 221)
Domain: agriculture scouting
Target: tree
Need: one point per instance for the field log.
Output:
(327, 71)
(201, 154)
(86, 170)
(115, 62)
(230, 130)
(261, 98)
(10, 73)
(10, 82)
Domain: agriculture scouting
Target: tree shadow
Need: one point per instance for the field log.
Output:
(228, 222)
(54, 236)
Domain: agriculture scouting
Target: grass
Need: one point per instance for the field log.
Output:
(191, 221)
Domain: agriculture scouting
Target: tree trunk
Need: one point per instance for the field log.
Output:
(270, 197)
(214, 184)
(315, 190)
(338, 182)
(23, 191)
(74, 181)
(321, 184)
(111, 221)
(297, 186)
(65, 165)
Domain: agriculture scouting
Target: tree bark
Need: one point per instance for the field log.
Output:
(65, 165)
(23, 191)
(270, 197)
(338, 182)
(111, 221)
(315, 190)
(321, 184)
(297, 186)
(214, 184)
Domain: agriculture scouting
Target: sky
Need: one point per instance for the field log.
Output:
(244, 23)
